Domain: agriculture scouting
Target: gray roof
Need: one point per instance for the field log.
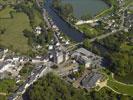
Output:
(3, 64)
(1, 49)
(85, 52)
(90, 80)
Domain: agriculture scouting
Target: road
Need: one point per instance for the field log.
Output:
(44, 70)
(103, 36)
(57, 39)
(37, 72)
(110, 33)
(46, 18)
(44, 13)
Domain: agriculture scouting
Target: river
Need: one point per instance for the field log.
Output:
(67, 29)
(64, 27)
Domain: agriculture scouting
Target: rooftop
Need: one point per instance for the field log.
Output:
(91, 80)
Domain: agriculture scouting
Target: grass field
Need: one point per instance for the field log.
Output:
(4, 2)
(128, 79)
(120, 87)
(126, 48)
(117, 86)
(7, 85)
(38, 17)
(89, 31)
(5, 13)
(13, 36)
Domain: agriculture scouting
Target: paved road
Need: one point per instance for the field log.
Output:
(57, 39)
(33, 77)
(44, 14)
(104, 36)
(46, 18)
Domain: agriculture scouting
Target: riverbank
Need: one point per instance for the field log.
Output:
(68, 22)
(64, 26)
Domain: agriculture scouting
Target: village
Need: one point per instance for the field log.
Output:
(72, 62)
(59, 60)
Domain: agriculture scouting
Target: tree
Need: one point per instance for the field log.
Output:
(56, 4)
(87, 43)
(51, 87)
(66, 10)
(86, 17)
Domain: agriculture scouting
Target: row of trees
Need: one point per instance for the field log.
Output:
(65, 10)
(36, 19)
(40, 39)
(119, 52)
(23, 7)
(120, 57)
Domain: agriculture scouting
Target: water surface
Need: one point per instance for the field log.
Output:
(85, 7)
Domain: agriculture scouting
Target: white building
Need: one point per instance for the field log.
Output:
(36, 60)
(50, 47)
(59, 57)
(5, 67)
(87, 62)
(66, 56)
(38, 30)
(87, 58)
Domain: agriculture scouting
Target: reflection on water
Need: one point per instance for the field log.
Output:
(85, 7)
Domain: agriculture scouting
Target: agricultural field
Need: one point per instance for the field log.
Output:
(12, 36)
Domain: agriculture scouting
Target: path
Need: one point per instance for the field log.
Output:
(2, 93)
(105, 84)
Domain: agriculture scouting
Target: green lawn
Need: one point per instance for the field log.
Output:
(121, 88)
(116, 85)
(13, 36)
(105, 12)
(128, 79)
(3, 97)
(89, 31)
(38, 17)
(5, 13)
(26, 70)
(5, 2)
(126, 47)
(7, 86)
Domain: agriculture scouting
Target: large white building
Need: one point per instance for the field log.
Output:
(59, 57)
(5, 67)
(87, 58)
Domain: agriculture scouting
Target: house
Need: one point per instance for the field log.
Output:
(66, 56)
(36, 60)
(91, 80)
(87, 62)
(5, 66)
(59, 57)
(50, 47)
(87, 58)
(1, 52)
(45, 58)
(1, 6)
(38, 30)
